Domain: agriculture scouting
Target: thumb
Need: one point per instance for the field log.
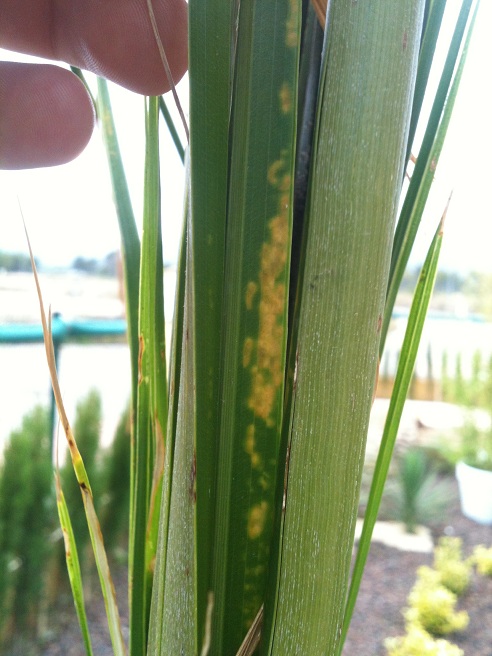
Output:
(46, 115)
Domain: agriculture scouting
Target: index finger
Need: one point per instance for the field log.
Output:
(113, 38)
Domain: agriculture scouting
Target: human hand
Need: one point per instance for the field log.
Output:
(46, 116)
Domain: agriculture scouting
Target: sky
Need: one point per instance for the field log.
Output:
(69, 210)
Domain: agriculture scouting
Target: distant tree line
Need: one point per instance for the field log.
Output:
(448, 282)
(475, 286)
(107, 266)
(20, 262)
(15, 262)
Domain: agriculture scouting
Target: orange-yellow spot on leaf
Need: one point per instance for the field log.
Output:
(262, 397)
(248, 347)
(251, 289)
(285, 98)
(291, 36)
(267, 374)
(250, 447)
(257, 517)
(274, 171)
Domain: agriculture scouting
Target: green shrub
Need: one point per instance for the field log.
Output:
(482, 558)
(454, 572)
(115, 482)
(432, 606)
(27, 516)
(418, 642)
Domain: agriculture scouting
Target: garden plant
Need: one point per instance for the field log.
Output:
(248, 446)
(482, 558)
(415, 495)
(431, 609)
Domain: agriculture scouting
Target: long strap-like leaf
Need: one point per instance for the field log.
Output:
(367, 77)
(73, 565)
(100, 556)
(430, 151)
(211, 62)
(259, 226)
(151, 418)
(403, 379)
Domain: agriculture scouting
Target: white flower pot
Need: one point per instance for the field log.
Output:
(475, 486)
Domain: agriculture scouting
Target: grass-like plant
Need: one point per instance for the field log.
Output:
(248, 447)
(416, 494)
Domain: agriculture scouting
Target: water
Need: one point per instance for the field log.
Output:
(24, 378)
(24, 381)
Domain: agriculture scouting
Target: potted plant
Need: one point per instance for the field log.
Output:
(474, 473)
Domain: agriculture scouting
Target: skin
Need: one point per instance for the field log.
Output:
(46, 116)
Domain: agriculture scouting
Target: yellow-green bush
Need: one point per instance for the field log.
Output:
(432, 606)
(455, 573)
(418, 642)
(482, 558)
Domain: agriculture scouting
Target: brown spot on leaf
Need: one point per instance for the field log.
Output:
(192, 485)
(405, 39)
(376, 382)
(141, 349)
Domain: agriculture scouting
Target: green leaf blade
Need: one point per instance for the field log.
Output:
(151, 417)
(357, 165)
(73, 566)
(255, 324)
(126, 220)
(173, 626)
(211, 56)
(403, 380)
(427, 161)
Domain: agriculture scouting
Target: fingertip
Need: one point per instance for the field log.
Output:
(46, 115)
(116, 40)
(176, 39)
